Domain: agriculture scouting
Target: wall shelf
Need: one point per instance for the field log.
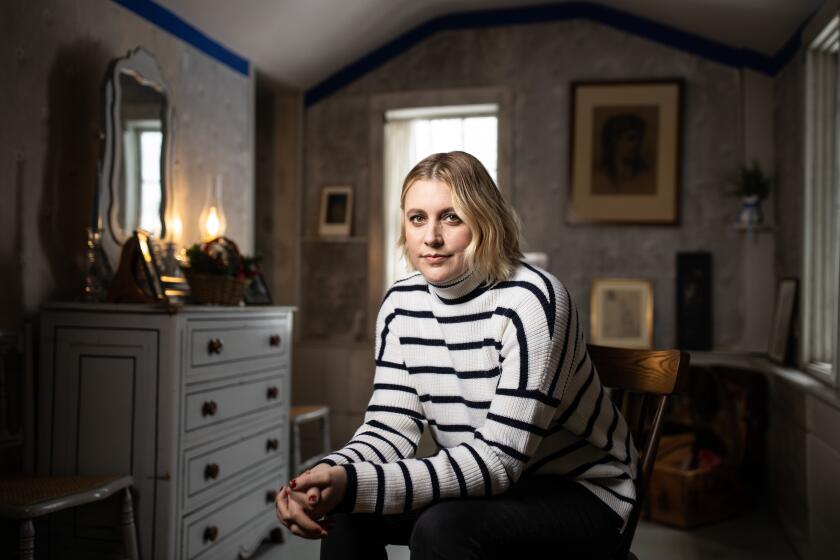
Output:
(351, 239)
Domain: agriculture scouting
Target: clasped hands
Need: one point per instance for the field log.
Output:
(305, 504)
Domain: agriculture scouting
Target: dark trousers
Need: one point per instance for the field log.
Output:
(537, 515)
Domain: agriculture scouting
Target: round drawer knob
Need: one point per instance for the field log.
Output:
(270, 496)
(273, 392)
(215, 345)
(274, 340)
(211, 471)
(209, 408)
(211, 533)
(272, 444)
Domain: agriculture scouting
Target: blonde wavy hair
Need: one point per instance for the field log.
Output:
(494, 251)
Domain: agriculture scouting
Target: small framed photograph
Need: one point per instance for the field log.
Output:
(782, 320)
(622, 313)
(257, 292)
(149, 265)
(625, 152)
(336, 211)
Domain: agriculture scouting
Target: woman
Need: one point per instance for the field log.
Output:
(487, 353)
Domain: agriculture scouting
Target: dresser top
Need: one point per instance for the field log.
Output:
(159, 309)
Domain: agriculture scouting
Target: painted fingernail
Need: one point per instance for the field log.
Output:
(292, 483)
(312, 499)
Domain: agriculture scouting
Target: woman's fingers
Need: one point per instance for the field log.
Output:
(313, 496)
(282, 506)
(319, 478)
(307, 526)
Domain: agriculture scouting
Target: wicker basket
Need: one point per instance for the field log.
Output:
(219, 290)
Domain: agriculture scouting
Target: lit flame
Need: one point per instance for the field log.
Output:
(177, 229)
(213, 225)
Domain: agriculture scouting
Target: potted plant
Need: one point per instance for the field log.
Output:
(752, 185)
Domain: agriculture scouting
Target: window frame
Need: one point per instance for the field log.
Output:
(824, 24)
(382, 103)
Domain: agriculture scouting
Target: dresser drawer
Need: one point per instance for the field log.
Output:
(210, 528)
(216, 342)
(235, 400)
(216, 466)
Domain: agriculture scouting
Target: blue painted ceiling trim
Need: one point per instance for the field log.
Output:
(172, 23)
(649, 29)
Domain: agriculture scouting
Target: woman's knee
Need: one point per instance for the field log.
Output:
(444, 531)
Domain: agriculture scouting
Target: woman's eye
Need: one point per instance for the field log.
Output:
(416, 219)
(452, 218)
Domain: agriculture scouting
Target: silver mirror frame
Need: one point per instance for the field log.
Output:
(143, 66)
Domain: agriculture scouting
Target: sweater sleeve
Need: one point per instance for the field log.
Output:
(535, 357)
(394, 418)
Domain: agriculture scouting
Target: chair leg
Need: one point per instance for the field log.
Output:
(27, 540)
(325, 434)
(129, 530)
(296, 457)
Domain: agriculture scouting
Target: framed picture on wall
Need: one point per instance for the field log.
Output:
(782, 320)
(621, 313)
(336, 212)
(625, 147)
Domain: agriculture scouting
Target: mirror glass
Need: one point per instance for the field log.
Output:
(134, 175)
(140, 190)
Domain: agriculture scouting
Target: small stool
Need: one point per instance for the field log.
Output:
(28, 497)
(300, 415)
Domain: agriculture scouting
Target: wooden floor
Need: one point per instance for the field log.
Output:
(753, 535)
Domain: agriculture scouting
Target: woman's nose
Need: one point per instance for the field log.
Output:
(432, 236)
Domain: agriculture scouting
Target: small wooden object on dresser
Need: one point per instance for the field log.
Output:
(193, 404)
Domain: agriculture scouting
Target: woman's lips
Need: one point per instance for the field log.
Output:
(435, 259)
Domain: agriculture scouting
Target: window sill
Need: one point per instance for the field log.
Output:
(759, 362)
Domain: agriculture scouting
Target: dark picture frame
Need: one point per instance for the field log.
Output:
(336, 212)
(778, 348)
(257, 292)
(150, 267)
(625, 152)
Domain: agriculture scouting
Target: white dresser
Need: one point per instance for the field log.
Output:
(193, 404)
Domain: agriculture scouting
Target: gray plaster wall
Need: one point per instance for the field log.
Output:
(790, 171)
(538, 64)
(53, 58)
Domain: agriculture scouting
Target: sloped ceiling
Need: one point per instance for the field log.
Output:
(299, 43)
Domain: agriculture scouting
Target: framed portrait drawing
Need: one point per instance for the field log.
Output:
(625, 147)
(621, 313)
(336, 211)
(782, 320)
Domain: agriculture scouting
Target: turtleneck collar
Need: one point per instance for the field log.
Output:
(459, 289)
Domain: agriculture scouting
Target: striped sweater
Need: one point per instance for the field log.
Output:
(501, 377)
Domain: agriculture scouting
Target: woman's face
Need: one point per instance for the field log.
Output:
(435, 236)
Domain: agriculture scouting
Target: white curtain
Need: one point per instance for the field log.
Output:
(821, 282)
(399, 158)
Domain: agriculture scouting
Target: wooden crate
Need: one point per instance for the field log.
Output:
(685, 497)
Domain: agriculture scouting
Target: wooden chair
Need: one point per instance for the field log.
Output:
(640, 382)
(301, 415)
(28, 497)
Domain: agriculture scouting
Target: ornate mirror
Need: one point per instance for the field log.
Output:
(135, 174)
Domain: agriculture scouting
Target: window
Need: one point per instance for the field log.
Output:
(411, 135)
(820, 279)
(143, 141)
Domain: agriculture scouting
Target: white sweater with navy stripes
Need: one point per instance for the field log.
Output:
(501, 377)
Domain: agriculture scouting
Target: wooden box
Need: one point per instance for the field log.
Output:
(687, 497)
